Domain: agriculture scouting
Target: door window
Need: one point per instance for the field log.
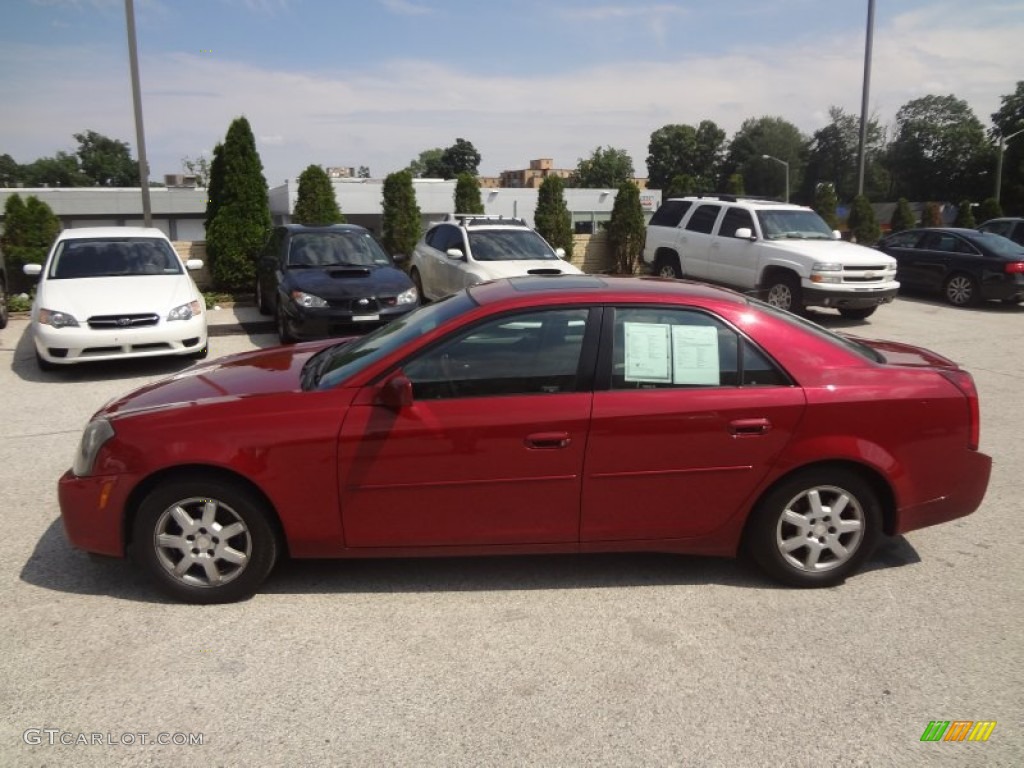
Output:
(703, 219)
(735, 218)
(530, 353)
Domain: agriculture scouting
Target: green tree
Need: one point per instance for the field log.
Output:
(460, 157)
(402, 220)
(552, 217)
(10, 171)
(734, 185)
(903, 217)
(932, 215)
(606, 167)
(681, 150)
(198, 167)
(30, 227)
(627, 228)
(364, 172)
(939, 151)
(467, 194)
(680, 186)
(964, 215)
(825, 203)
(106, 162)
(1007, 120)
(832, 157)
(315, 203)
(61, 170)
(239, 228)
(215, 186)
(989, 209)
(766, 136)
(429, 160)
(862, 223)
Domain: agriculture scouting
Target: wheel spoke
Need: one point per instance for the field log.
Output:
(814, 499)
(793, 544)
(184, 564)
(848, 526)
(233, 556)
(213, 574)
(209, 513)
(182, 518)
(170, 541)
(230, 531)
(795, 519)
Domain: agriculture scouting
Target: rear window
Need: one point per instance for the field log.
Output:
(670, 213)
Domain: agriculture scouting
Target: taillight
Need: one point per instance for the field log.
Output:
(1014, 268)
(963, 381)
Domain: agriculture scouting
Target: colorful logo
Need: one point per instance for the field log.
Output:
(958, 730)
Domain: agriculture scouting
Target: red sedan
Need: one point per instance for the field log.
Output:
(565, 414)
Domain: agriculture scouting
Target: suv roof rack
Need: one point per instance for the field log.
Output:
(484, 219)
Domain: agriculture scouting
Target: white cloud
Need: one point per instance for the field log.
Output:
(405, 7)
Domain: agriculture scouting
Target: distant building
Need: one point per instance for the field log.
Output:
(340, 172)
(532, 177)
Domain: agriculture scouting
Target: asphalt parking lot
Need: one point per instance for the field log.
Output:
(554, 661)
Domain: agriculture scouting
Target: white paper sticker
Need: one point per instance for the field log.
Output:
(648, 354)
(695, 355)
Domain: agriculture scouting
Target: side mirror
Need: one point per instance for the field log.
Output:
(837, 235)
(396, 393)
(194, 264)
(560, 253)
(32, 270)
(744, 233)
(399, 258)
(455, 253)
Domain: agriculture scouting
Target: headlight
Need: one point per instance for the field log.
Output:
(57, 319)
(408, 297)
(308, 300)
(185, 311)
(96, 433)
(819, 268)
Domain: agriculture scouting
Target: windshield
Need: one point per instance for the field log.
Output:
(114, 257)
(509, 245)
(335, 364)
(798, 225)
(336, 249)
(804, 324)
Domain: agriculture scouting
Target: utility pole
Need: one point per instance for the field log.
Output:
(140, 133)
(861, 151)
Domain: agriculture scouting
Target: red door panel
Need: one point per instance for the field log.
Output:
(675, 463)
(465, 471)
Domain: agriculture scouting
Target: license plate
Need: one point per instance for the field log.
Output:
(365, 318)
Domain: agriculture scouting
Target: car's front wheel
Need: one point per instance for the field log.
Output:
(961, 290)
(414, 275)
(283, 332)
(667, 265)
(815, 528)
(205, 539)
(783, 291)
(261, 302)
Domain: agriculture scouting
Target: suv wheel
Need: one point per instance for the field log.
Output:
(667, 265)
(783, 291)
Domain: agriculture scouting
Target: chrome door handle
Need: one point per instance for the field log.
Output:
(749, 427)
(548, 440)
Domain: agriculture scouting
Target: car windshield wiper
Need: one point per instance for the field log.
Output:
(314, 367)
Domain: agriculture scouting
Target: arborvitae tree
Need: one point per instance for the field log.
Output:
(626, 228)
(239, 228)
(467, 194)
(30, 227)
(932, 216)
(401, 221)
(734, 185)
(552, 217)
(964, 215)
(315, 203)
(989, 209)
(903, 217)
(862, 222)
(825, 204)
(215, 185)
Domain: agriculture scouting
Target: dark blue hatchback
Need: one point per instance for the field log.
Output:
(329, 281)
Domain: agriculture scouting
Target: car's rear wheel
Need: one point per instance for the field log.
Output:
(205, 539)
(783, 291)
(414, 275)
(815, 528)
(861, 313)
(667, 265)
(261, 302)
(961, 290)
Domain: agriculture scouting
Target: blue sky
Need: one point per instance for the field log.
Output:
(374, 82)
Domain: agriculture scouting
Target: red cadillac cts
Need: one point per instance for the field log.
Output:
(536, 414)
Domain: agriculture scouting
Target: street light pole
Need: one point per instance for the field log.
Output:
(999, 162)
(786, 166)
(862, 142)
(140, 134)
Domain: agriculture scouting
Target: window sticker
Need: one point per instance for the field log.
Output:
(695, 355)
(648, 353)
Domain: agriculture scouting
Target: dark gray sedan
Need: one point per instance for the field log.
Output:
(963, 265)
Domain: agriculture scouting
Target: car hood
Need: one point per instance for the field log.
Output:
(87, 296)
(494, 270)
(249, 374)
(348, 282)
(850, 254)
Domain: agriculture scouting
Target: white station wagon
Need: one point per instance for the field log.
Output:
(109, 293)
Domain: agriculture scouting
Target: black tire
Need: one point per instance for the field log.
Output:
(191, 532)
(782, 290)
(798, 543)
(45, 365)
(414, 275)
(261, 302)
(961, 290)
(862, 313)
(667, 265)
(4, 313)
(282, 327)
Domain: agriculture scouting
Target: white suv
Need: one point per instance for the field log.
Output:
(786, 252)
(467, 249)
